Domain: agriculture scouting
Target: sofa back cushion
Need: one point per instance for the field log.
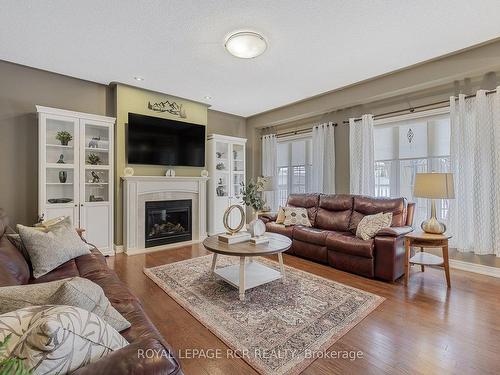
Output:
(370, 206)
(14, 269)
(334, 212)
(307, 201)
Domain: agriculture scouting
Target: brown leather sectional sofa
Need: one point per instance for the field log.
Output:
(331, 239)
(14, 270)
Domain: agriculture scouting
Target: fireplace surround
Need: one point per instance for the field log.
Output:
(137, 190)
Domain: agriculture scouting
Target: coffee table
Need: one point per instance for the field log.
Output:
(248, 274)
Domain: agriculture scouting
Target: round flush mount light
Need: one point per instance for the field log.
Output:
(137, 78)
(245, 44)
(207, 97)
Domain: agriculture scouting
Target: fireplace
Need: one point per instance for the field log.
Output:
(168, 222)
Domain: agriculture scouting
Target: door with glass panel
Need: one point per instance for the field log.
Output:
(58, 157)
(96, 184)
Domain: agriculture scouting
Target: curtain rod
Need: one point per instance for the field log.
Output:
(412, 109)
(299, 131)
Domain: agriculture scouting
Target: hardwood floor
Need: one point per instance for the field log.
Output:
(422, 329)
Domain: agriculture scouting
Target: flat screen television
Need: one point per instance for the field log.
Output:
(158, 141)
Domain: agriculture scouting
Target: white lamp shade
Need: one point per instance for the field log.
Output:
(269, 183)
(434, 186)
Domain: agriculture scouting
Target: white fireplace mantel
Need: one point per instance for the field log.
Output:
(137, 190)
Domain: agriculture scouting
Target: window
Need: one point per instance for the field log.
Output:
(294, 167)
(404, 148)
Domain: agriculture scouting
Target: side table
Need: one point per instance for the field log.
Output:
(423, 240)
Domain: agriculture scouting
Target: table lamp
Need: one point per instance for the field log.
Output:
(434, 186)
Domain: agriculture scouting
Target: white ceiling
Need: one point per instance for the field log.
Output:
(177, 46)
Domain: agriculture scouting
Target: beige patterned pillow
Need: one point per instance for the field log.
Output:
(296, 216)
(48, 250)
(75, 291)
(370, 225)
(58, 339)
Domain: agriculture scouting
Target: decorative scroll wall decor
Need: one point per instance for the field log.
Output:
(410, 135)
(167, 106)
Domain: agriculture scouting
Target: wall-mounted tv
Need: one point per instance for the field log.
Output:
(158, 141)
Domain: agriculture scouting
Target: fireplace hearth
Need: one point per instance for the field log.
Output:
(168, 222)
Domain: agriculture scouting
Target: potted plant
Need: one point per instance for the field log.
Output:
(252, 197)
(93, 159)
(64, 137)
(11, 365)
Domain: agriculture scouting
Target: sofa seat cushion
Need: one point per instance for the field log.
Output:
(347, 243)
(310, 235)
(279, 228)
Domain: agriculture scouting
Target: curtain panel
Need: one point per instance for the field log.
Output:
(323, 158)
(362, 158)
(475, 161)
(270, 166)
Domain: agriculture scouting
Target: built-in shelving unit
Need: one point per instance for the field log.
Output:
(226, 168)
(76, 178)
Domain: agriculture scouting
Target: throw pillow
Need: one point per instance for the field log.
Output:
(369, 226)
(48, 250)
(296, 216)
(76, 291)
(280, 218)
(59, 339)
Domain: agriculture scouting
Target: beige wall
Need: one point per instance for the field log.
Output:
(21, 88)
(421, 84)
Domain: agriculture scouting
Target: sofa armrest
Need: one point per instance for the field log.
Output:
(268, 216)
(395, 231)
(148, 356)
(80, 232)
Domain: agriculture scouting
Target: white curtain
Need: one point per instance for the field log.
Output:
(362, 159)
(475, 162)
(270, 166)
(323, 158)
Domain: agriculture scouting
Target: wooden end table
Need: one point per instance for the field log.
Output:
(248, 274)
(423, 240)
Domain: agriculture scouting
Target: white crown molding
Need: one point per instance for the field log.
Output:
(64, 112)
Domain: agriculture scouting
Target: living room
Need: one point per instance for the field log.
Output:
(249, 187)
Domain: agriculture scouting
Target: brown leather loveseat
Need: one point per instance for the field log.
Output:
(332, 240)
(158, 357)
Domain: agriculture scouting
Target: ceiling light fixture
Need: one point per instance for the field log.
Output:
(245, 44)
(139, 78)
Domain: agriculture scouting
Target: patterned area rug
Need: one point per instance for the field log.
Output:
(281, 327)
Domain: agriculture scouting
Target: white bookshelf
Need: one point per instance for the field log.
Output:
(226, 168)
(88, 203)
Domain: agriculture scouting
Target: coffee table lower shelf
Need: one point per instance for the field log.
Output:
(255, 274)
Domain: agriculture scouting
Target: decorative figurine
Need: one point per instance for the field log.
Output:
(95, 177)
(220, 166)
(61, 159)
(63, 175)
(93, 159)
(94, 142)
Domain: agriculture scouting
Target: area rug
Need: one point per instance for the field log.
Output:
(281, 327)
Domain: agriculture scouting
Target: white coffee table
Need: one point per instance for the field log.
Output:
(248, 274)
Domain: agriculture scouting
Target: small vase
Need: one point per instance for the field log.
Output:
(63, 177)
(256, 227)
(64, 143)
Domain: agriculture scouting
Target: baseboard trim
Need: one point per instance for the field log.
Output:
(162, 247)
(118, 249)
(474, 267)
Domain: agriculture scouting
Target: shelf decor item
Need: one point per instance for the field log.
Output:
(64, 137)
(220, 166)
(128, 171)
(61, 159)
(94, 142)
(93, 159)
(434, 186)
(63, 175)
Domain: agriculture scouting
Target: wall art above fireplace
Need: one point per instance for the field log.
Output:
(168, 106)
